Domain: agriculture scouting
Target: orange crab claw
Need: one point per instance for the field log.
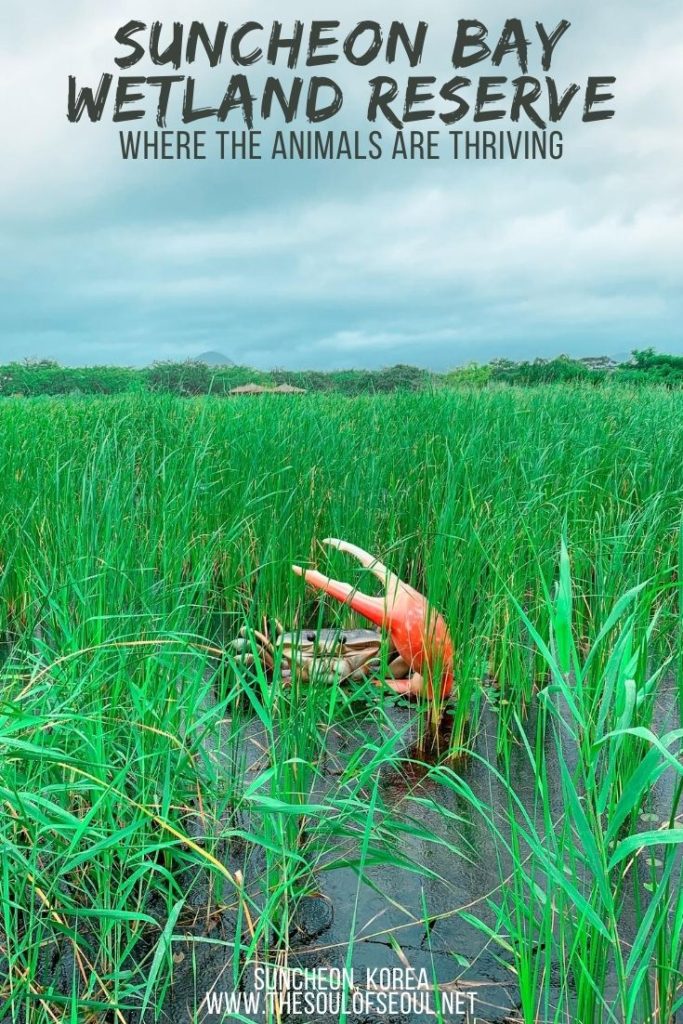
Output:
(418, 632)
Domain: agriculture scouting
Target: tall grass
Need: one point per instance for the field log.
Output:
(589, 899)
(137, 535)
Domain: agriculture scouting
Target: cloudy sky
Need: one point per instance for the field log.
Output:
(340, 264)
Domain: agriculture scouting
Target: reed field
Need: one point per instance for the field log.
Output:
(167, 813)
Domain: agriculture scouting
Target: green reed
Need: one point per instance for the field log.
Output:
(138, 535)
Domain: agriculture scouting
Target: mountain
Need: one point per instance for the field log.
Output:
(214, 359)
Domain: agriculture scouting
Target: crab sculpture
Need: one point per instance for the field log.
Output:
(420, 659)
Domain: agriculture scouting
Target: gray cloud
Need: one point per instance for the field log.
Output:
(331, 264)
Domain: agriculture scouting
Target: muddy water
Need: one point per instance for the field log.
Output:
(396, 917)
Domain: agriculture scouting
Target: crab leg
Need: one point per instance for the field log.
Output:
(418, 632)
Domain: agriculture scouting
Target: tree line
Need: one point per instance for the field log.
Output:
(192, 378)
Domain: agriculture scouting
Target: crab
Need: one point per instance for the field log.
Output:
(421, 650)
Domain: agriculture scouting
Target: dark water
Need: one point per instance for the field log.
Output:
(404, 919)
(410, 920)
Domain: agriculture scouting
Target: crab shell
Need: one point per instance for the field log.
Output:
(323, 655)
(332, 654)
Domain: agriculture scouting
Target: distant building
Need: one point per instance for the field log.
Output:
(288, 389)
(258, 389)
(249, 389)
(599, 363)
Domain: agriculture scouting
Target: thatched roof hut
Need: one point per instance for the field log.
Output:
(259, 389)
(249, 389)
(288, 389)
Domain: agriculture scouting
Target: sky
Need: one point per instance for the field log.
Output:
(339, 264)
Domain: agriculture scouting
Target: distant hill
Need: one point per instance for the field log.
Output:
(214, 359)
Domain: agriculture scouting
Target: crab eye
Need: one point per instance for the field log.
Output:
(310, 637)
(344, 638)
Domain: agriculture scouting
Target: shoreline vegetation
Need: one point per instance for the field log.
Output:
(45, 377)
